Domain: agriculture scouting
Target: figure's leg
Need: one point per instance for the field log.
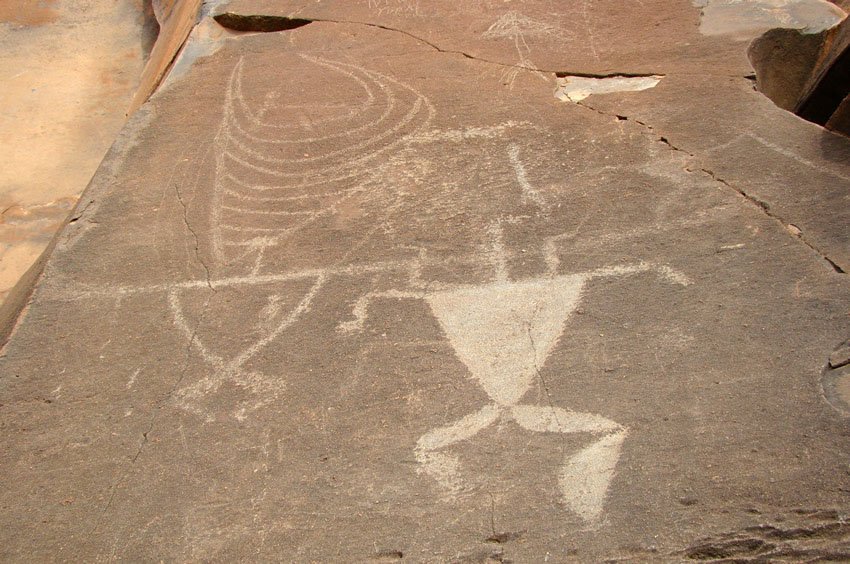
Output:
(445, 467)
(545, 419)
(586, 475)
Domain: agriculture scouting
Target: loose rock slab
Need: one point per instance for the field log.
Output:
(337, 295)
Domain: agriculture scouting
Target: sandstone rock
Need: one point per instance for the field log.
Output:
(320, 302)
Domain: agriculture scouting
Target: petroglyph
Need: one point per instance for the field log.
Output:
(785, 153)
(518, 28)
(255, 188)
(132, 381)
(275, 176)
(469, 133)
(496, 253)
(749, 17)
(396, 7)
(504, 332)
(586, 475)
(361, 308)
(514, 25)
(338, 294)
(272, 323)
(528, 191)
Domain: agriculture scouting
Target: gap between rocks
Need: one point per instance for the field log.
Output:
(806, 74)
(255, 23)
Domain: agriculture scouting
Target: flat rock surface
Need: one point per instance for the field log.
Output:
(339, 294)
(69, 71)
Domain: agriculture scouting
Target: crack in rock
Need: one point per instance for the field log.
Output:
(194, 236)
(792, 229)
(154, 416)
(821, 536)
(259, 23)
(763, 206)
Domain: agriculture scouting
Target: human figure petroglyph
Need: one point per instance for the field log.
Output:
(503, 332)
(589, 27)
(518, 28)
(276, 177)
(396, 7)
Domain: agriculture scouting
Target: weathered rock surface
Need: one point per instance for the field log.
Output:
(742, 19)
(342, 292)
(69, 71)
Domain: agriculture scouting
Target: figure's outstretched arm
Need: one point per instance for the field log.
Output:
(360, 311)
(665, 272)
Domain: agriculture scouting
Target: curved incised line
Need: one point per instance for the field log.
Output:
(260, 188)
(388, 100)
(417, 105)
(355, 111)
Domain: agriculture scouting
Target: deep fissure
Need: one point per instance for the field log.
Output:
(806, 74)
(259, 23)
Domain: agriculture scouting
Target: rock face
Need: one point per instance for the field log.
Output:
(365, 288)
(69, 71)
(744, 19)
(176, 20)
(829, 85)
(806, 73)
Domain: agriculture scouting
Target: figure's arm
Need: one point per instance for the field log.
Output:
(360, 310)
(667, 273)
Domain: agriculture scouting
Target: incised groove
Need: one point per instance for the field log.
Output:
(763, 206)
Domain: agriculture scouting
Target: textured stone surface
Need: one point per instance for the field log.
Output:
(176, 20)
(591, 37)
(830, 82)
(784, 61)
(69, 70)
(748, 18)
(339, 293)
